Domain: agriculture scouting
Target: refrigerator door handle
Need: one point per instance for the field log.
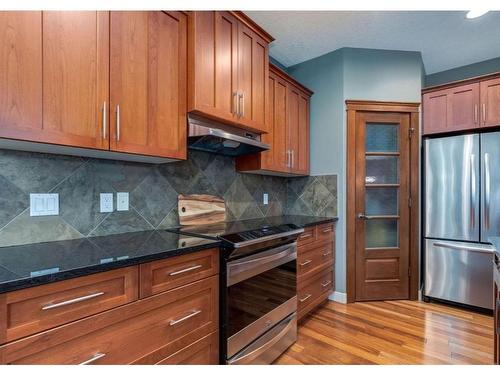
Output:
(472, 192)
(462, 247)
(487, 190)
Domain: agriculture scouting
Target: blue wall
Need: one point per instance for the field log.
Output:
(463, 72)
(351, 73)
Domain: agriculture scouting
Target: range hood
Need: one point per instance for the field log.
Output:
(211, 136)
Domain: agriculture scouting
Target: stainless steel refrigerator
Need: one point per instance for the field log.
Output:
(461, 210)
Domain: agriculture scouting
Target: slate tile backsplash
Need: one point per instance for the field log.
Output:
(153, 194)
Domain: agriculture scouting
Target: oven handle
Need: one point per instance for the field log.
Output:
(247, 358)
(241, 269)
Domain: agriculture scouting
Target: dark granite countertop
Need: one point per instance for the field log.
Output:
(29, 265)
(496, 244)
(24, 266)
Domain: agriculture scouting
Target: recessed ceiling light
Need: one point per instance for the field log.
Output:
(475, 13)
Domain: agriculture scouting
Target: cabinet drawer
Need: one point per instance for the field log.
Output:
(170, 273)
(28, 311)
(307, 237)
(325, 232)
(314, 289)
(311, 261)
(142, 332)
(203, 352)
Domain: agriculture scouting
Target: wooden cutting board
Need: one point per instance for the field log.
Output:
(201, 209)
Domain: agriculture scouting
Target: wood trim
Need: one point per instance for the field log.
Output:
(414, 209)
(461, 82)
(284, 75)
(413, 108)
(242, 17)
(351, 207)
(377, 106)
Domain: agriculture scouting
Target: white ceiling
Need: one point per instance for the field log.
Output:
(446, 39)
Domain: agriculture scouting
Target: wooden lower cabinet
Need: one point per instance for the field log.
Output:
(177, 325)
(315, 267)
(203, 352)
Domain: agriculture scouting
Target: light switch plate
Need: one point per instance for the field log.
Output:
(121, 201)
(106, 202)
(44, 204)
(265, 198)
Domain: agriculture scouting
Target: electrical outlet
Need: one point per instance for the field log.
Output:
(121, 201)
(265, 198)
(106, 202)
(44, 204)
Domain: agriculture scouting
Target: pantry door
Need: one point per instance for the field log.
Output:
(380, 199)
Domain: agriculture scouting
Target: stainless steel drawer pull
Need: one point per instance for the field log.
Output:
(104, 121)
(305, 298)
(194, 313)
(93, 359)
(118, 123)
(185, 270)
(307, 235)
(327, 253)
(327, 230)
(326, 283)
(306, 262)
(71, 301)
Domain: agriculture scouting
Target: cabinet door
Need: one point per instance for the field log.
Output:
(435, 111)
(276, 159)
(253, 73)
(490, 102)
(148, 83)
(20, 74)
(75, 78)
(213, 64)
(300, 158)
(463, 107)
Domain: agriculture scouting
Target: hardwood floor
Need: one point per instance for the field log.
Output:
(392, 332)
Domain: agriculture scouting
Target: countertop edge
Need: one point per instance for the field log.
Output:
(11, 286)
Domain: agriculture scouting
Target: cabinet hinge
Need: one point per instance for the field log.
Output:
(410, 132)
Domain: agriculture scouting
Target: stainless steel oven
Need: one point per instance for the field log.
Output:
(260, 305)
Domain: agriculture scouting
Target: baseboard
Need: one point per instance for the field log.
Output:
(338, 297)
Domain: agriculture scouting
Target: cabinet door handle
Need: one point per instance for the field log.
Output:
(475, 113)
(325, 283)
(118, 123)
(185, 270)
(93, 359)
(288, 158)
(306, 235)
(72, 301)
(306, 262)
(327, 253)
(235, 103)
(305, 298)
(293, 158)
(484, 114)
(241, 101)
(326, 230)
(180, 320)
(104, 120)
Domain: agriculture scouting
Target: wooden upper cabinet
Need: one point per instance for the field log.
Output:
(253, 72)
(148, 83)
(463, 107)
(288, 132)
(213, 38)
(435, 108)
(490, 102)
(20, 74)
(458, 107)
(75, 78)
(228, 69)
(60, 52)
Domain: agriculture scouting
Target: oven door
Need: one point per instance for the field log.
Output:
(261, 292)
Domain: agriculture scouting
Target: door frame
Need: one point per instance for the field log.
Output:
(352, 107)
